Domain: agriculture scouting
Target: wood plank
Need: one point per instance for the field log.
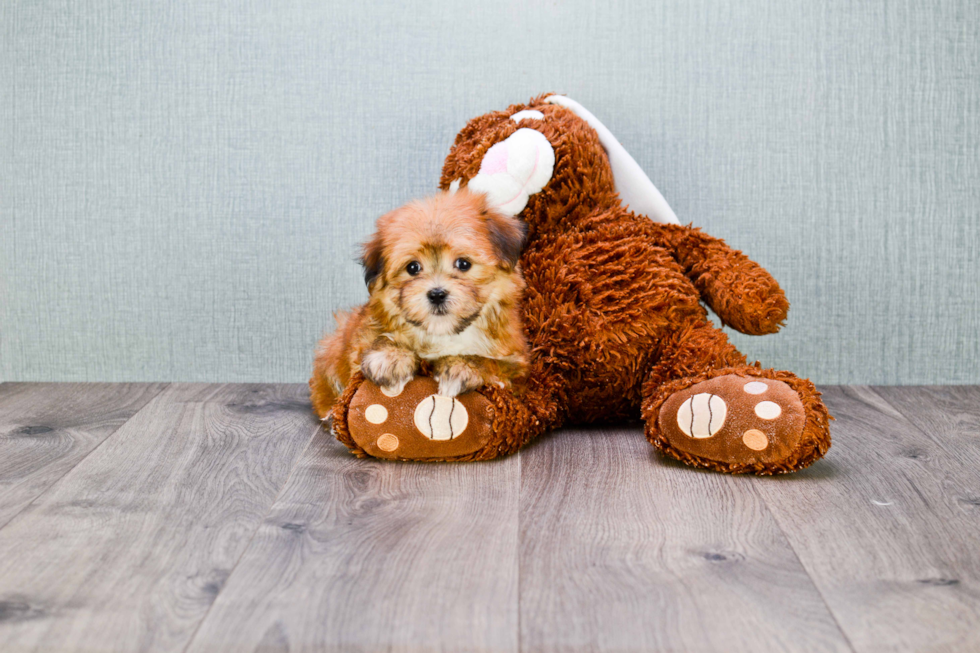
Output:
(888, 525)
(129, 549)
(368, 555)
(947, 415)
(47, 428)
(622, 549)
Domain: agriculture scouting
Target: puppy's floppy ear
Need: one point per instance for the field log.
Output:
(507, 236)
(372, 259)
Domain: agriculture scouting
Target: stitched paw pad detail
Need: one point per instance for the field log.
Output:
(702, 415)
(441, 418)
(418, 423)
(734, 419)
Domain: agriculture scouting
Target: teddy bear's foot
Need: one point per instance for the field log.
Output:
(417, 423)
(748, 420)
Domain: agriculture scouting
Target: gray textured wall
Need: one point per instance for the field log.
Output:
(183, 183)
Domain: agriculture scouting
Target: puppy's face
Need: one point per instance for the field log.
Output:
(437, 263)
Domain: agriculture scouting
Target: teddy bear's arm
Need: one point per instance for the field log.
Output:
(740, 291)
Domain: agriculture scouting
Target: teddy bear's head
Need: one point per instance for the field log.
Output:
(551, 162)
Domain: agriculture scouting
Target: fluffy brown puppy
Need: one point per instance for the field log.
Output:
(445, 288)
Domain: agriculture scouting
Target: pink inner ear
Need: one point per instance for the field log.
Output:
(495, 160)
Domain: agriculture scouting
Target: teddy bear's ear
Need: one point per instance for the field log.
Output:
(513, 170)
(634, 187)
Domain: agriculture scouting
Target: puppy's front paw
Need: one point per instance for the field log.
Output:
(457, 376)
(390, 368)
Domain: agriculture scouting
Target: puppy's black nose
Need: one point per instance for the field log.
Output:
(437, 296)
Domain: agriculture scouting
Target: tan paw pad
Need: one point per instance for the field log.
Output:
(755, 439)
(387, 442)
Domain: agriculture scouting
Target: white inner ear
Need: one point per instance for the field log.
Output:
(514, 169)
(634, 187)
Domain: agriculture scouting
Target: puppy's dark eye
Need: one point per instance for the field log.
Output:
(413, 268)
(462, 264)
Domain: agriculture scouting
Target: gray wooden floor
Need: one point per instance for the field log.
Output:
(217, 518)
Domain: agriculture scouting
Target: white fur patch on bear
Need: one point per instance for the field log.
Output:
(527, 114)
(514, 169)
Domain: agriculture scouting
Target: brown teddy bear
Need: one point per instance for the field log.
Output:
(612, 313)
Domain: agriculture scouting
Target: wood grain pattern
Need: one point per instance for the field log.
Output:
(130, 548)
(46, 429)
(211, 521)
(948, 416)
(623, 550)
(888, 526)
(366, 555)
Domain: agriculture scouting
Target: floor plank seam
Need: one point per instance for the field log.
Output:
(83, 458)
(251, 539)
(520, 542)
(813, 581)
(898, 409)
(809, 573)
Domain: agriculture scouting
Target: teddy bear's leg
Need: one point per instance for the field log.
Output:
(705, 406)
(419, 424)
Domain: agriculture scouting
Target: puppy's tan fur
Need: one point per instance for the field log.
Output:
(473, 339)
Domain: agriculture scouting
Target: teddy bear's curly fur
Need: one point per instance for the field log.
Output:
(614, 317)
